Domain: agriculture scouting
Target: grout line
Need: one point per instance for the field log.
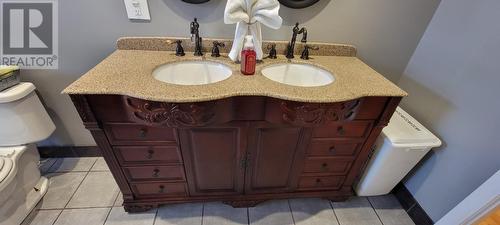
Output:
(156, 215)
(248, 216)
(290, 208)
(333, 209)
(202, 212)
(107, 216)
(57, 217)
(49, 170)
(79, 185)
(378, 216)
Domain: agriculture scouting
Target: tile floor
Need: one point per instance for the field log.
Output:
(83, 192)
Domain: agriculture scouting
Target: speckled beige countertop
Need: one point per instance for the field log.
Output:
(129, 72)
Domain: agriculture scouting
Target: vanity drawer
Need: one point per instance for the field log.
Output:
(130, 134)
(147, 154)
(327, 165)
(321, 182)
(332, 147)
(152, 173)
(152, 190)
(348, 129)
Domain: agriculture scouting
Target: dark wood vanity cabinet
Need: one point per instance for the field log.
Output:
(239, 150)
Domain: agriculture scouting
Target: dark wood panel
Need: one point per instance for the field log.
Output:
(333, 147)
(158, 190)
(131, 155)
(339, 130)
(212, 157)
(130, 134)
(154, 173)
(214, 137)
(327, 165)
(274, 153)
(321, 182)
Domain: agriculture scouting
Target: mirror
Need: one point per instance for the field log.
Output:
(195, 1)
(298, 4)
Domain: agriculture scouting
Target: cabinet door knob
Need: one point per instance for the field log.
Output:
(143, 132)
(332, 150)
(324, 167)
(341, 130)
(150, 154)
(318, 181)
(156, 172)
(161, 189)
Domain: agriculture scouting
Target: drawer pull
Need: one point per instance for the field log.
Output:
(332, 150)
(162, 189)
(150, 154)
(341, 130)
(143, 132)
(324, 167)
(156, 172)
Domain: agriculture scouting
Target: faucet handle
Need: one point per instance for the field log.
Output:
(272, 51)
(305, 52)
(215, 48)
(179, 50)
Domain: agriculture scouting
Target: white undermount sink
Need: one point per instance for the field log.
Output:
(303, 75)
(192, 72)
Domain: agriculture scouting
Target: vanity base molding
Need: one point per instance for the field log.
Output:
(238, 150)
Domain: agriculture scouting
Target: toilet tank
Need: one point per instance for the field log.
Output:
(23, 118)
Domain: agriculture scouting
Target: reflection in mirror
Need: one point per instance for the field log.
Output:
(298, 4)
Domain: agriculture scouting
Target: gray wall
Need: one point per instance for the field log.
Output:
(453, 81)
(386, 33)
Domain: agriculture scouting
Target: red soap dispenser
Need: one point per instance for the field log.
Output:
(248, 57)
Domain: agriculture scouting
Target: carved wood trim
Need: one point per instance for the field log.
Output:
(314, 114)
(86, 114)
(171, 114)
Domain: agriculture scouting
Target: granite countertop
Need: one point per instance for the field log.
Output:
(129, 72)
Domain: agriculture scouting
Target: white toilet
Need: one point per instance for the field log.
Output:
(23, 121)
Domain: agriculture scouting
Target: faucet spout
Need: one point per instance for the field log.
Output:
(195, 37)
(291, 45)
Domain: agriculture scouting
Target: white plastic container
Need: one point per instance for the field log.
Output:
(401, 145)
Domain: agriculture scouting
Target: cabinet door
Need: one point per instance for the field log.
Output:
(275, 157)
(212, 157)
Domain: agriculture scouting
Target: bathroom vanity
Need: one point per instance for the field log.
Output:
(243, 140)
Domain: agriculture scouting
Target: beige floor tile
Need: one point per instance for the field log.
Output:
(217, 213)
(180, 214)
(312, 211)
(99, 189)
(93, 216)
(119, 200)
(45, 164)
(42, 217)
(355, 211)
(73, 164)
(61, 187)
(118, 216)
(100, 165)
(390, 211)
(271, 213)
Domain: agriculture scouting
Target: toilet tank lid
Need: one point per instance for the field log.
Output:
(16, 92)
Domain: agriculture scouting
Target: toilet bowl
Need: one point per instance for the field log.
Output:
(23, 121)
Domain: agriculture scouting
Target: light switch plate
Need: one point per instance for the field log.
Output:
(137, 9)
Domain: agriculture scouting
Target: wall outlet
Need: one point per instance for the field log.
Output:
(137, 9)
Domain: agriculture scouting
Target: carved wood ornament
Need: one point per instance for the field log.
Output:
(171, 114)
(311, 114)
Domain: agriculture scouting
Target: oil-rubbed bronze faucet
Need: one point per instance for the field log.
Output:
(195, 37)
(291, 44)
